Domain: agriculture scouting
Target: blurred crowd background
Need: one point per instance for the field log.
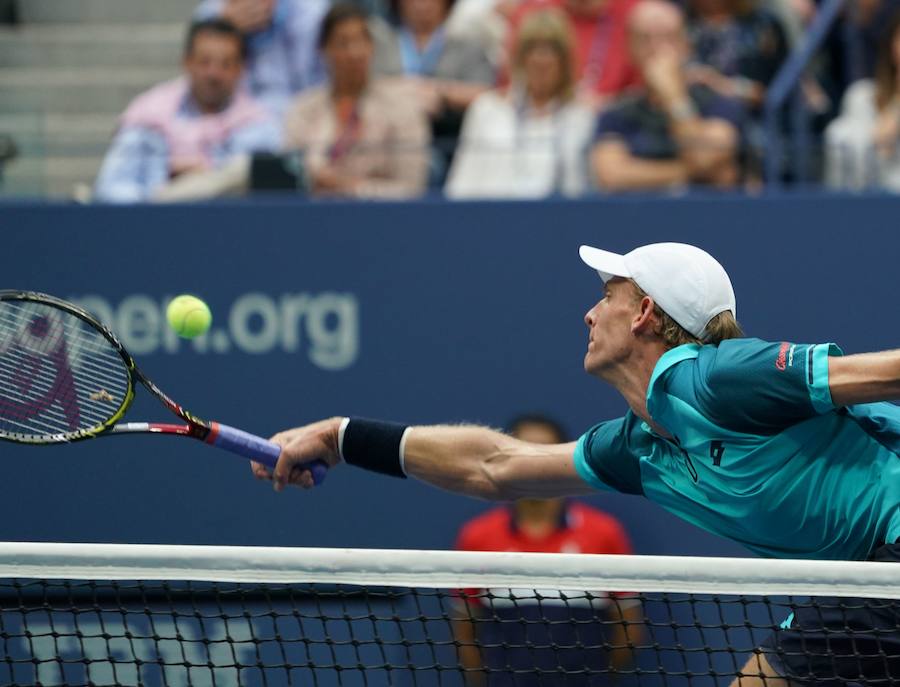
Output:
(122, 101)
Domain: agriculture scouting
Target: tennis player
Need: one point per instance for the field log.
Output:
(783, 447)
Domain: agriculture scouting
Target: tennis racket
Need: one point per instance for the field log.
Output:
(65, 377)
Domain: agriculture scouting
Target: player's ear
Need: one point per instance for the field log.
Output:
(644, 321)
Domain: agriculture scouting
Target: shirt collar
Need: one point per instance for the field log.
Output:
(668, 360)
(190, 109)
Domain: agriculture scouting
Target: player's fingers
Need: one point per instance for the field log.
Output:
(296, 473)
(301, 476)
(297, 453)
(260, 471)
(282, 438)
(304, 445)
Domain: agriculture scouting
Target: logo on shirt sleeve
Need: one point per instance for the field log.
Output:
(785, 357)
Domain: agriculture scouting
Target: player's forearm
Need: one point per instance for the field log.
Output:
(464, 459)
(864, 378)
(488, 464)
(469, 460)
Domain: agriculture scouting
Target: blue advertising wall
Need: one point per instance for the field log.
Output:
(424, 313)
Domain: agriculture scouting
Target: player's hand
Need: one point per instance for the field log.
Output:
(299, 446)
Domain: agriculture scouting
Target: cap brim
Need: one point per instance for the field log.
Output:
(607, 264)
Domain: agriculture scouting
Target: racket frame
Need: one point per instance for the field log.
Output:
(196, 427)
(214, 433)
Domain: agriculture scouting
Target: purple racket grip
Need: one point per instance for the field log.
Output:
(256, 448)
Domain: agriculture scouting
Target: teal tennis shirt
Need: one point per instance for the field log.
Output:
(759, 452)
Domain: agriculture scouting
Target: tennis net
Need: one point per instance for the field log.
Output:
(108, 614)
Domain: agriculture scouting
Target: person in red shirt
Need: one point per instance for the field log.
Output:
(603, 65)
(562, 630)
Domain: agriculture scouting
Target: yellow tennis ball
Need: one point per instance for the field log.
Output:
(188, 316)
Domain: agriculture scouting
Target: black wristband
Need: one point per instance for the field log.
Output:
(373, 445)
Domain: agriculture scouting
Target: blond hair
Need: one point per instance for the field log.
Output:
(721, 327)
(551, 28)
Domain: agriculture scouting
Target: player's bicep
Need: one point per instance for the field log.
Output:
(542, 470)
(488, 464)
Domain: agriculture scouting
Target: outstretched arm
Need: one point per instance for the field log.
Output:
(864, 378)
(491, 465)
(469, 460)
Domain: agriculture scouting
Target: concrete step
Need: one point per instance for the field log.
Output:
(108, 11)
(59, 134)
(75, 90)
(57, 177)
(61, 45)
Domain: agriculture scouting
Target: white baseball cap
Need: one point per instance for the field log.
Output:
(686, 282)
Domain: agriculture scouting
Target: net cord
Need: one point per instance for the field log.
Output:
(448, 569)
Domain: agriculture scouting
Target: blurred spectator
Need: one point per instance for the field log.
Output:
(362, 136)
(486, 21)
(870, 19)
(282, 58)
(863, 144)
(530, 140)
(445, 72)
(793, 16)
(560, 630)
(738, 48)
(191, 124)
(603, 67)
(449, 71)
(668, 133)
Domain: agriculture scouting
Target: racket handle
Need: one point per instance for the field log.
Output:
(256, 448)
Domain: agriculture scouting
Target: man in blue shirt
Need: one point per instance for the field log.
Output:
(783, 447)
(667, 132)
(192, 124)
(282, 57)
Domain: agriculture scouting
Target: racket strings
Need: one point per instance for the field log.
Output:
(18, 402)
(37, 394)
(58, 374)
(49, 396)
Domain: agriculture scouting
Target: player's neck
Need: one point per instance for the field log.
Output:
(632, 380)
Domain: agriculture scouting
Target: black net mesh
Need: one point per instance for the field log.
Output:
(170, 633)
